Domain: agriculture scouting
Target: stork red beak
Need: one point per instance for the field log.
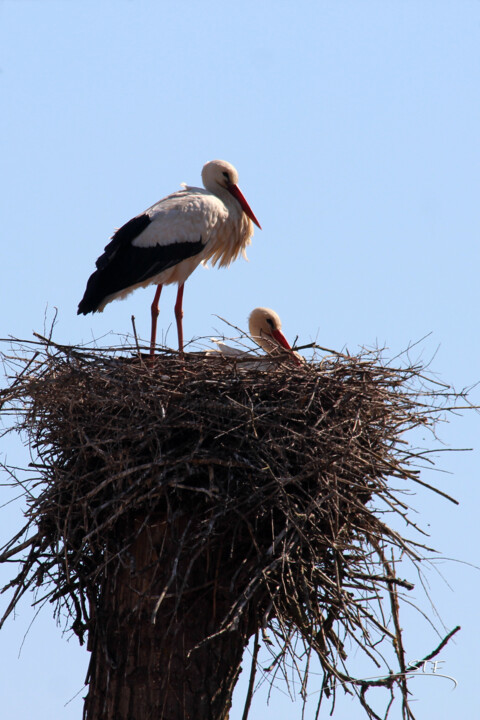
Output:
(238, 195)
(281, 339)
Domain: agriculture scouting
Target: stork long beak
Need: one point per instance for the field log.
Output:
(238, 195)
(281, 339)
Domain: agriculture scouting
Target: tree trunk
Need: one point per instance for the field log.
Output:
(142, 669)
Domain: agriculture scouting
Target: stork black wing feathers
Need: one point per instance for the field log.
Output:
(123, 265)
(123, 236)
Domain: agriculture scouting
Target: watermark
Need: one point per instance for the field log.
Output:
(418, 668)
(429, 665)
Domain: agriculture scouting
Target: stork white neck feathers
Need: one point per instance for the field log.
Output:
(221, 179)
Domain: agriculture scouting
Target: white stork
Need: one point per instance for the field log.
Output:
(265, 329)
(165, 244)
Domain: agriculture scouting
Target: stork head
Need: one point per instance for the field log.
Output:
(266, 329)
(218, 175)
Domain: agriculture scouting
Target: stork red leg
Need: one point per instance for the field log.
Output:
(155, 314)
(179, 316)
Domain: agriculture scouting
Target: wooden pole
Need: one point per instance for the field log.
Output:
(161, 670)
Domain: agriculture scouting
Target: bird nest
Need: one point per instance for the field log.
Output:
(276, 480)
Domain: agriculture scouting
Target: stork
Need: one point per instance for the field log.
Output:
(164, 244)
(265, 329)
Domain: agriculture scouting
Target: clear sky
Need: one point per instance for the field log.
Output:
(354, 126)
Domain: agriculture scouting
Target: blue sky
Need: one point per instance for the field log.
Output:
(354, 127)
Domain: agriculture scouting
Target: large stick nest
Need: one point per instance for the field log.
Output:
(281, 473)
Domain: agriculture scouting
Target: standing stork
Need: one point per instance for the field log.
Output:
(165, 244)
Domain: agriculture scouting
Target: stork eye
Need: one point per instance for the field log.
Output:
(226, 176)
(270, 322)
